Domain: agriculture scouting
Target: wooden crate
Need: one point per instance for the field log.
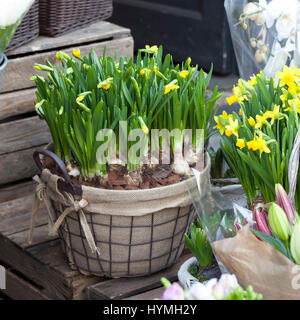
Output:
(21, 130)
(40, 271)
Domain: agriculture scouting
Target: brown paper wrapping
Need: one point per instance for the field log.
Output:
(259, 264)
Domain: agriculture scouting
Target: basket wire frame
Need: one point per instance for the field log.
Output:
(171, 253)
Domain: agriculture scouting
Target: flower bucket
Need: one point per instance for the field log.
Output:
(187, 280)
(3, 63)
(116, 233)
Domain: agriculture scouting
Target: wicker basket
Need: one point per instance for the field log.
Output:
(28, 28)
(60, 16)
(134, 232)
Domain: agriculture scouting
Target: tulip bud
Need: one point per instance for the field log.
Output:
(261, 220)
(295, 242)
(285, 203)
(173, 292)
(278, 222)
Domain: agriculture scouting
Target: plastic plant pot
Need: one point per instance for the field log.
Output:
(3, 63)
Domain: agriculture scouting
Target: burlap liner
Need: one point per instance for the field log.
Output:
(257, 263)
(164, 212)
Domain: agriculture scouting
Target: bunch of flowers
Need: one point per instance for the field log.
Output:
(279, 225)
(264, 34)
(258, 142)
(11, 14)
(226, 288)
(90, 94)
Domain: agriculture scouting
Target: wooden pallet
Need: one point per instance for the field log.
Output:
(21, 131)
(40, 271)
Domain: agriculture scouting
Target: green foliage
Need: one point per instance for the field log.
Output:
(240, 294)
(92, 93)
(218, 163)
(260, 151)
(199, 245)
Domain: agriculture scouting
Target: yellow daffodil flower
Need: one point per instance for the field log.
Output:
(251, 122)
(240, 112)
(225, 116)
(184, 73)
(231, 100)
(79, 98)
(171, 86)
(154, 49)
(240, 143)
(106, 84)
(238, 95)
(145, 71)
(258, 143)
(58, 56)
(76, 53)
(287, 77)
(220, 127)
(283, 98)
(273, 115)
(260, 121)
(293, 102)
(232, 128)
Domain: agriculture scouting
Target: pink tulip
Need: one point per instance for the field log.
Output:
(261, 220)
(285, 203)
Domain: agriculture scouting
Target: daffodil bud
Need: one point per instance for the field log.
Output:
(285, 203)
(295, 242)
(278, 222)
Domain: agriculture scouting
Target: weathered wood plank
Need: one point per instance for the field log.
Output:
(17, 166)
(148, 295)
(20, 289)
(16, 103)
(44, 276)
(19, 70)
(40, 235)
(23, 134)
(121, 288)
(94, 33)
(17, 190)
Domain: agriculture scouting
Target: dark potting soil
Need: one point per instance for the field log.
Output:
(119, 178)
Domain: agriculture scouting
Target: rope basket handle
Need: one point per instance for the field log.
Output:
(294, 166)
(64, 185)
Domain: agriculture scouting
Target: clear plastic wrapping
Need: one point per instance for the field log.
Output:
(264, 34)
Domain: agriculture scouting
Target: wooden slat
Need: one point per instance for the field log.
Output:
(23, 134)
(148, 295)
(17, 190)
(20, 289)
(17, 166)
(17, 74)
(43, 261)
(96, 32)
(16, 103)
(116, 289)
(46, 266)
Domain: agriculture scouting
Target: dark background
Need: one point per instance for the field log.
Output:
(186, 28)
